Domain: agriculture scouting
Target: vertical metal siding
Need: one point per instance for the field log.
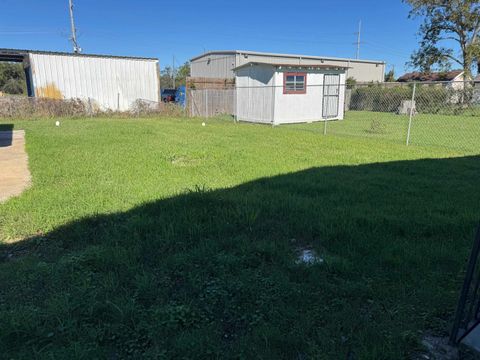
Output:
(361, 71)
(102, 80)
(214, 66)
(222, 65)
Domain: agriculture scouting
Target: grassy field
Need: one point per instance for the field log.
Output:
(160, 238)
(460, 132)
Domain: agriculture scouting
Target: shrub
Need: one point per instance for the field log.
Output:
(29, 107)
(24, 107)
(429, 99)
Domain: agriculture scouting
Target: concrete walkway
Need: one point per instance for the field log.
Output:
(14, 173)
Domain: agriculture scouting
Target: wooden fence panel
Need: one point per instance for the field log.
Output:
(211, 102)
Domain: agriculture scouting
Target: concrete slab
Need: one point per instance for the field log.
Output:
(14, 173)
(470, 344)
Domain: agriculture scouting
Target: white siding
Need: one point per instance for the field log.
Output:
(298, 108)
(110, 83)
(255, 92)
(260, 96)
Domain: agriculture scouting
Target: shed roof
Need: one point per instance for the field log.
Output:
(18, 54)
(280, 65)
(433, 76)
(295, 56)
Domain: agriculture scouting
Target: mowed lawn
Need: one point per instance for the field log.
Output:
(161, 238)
(456, 132)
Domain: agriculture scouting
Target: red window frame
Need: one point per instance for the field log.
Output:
(285, 91)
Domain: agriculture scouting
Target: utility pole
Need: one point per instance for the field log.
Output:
(173, 71)
(76, 49)
(359, 38)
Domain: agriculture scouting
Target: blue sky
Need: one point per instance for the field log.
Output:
(184, 29)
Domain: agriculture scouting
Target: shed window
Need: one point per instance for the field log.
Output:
(295, 83)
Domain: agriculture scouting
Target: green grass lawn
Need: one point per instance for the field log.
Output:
(459, 132)
(160, 238)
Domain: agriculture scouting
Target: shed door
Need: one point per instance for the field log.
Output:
(331, 96)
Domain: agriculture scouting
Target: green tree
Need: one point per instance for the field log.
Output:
(12, 79)
(167, 75)
(182, 73)
(166, 78)
(390, 76)
(447, 21)
(351, 82)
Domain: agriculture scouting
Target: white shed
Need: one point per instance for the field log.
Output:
(285, 94)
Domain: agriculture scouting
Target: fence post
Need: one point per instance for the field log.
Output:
(412, 109)
(235, 94)
(206, 102)
(90, 107)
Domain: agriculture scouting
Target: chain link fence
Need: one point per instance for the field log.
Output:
(439, 114)
(444, 114)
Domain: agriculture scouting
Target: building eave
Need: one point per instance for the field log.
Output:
(293, 56)
(15, 53)
(293, 66)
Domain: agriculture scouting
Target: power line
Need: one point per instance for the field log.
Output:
(387, 50)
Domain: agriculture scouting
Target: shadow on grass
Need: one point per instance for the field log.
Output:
(212, 274)
(6, 135)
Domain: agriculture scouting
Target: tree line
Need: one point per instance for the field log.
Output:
(172, 78)
(12, 79)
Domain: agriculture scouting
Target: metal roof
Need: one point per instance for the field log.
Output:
(295, 56)
(292, 66)
(16, 54)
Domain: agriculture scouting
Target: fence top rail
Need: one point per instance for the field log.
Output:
(456, 85)
(406, 83)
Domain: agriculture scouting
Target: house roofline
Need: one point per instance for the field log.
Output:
(407, 77)
(293, 56)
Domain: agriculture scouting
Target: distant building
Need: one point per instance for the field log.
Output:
(221, 64)
(454, 78)
(108, 82)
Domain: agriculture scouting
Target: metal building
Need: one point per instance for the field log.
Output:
(221, 64)
(108, 82)
(284, 94)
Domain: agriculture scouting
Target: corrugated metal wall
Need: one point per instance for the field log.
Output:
(213, 66)
(221, 65)
(110, 83)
